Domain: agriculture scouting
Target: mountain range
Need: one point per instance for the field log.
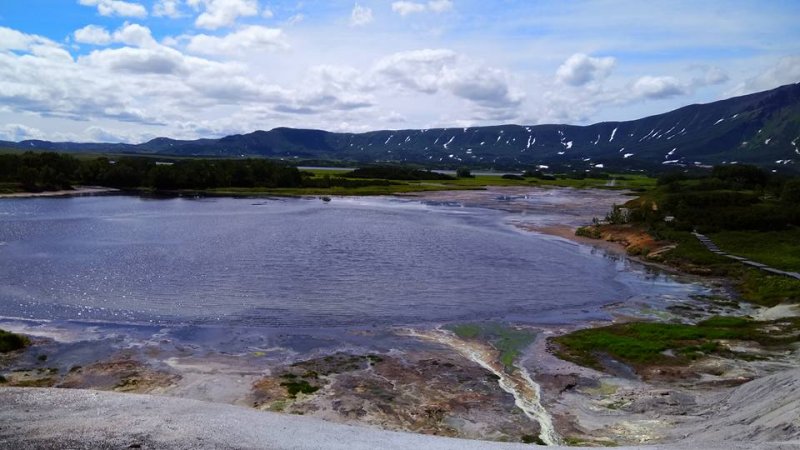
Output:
(761, 129)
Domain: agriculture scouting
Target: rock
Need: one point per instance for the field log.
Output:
(662, 402)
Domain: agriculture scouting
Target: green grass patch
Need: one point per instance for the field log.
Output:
(397, 186)
(779, 249)
(532, 439)
(645, 343)
(508, 341)
(466, 330)
(589, 231)
(322, 172)
(10, 341)
(690, 252)
(765, 289)
(302, 386)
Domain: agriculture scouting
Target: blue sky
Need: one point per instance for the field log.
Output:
(131, 70)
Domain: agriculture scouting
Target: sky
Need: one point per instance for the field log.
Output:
(133, 70)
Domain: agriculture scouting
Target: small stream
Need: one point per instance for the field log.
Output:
(526, 392)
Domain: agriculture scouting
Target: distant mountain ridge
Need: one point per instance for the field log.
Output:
(761, 128)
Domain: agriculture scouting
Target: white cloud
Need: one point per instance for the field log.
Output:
(419, 70)
(440, 5)
(146, 84)
(785, 71)
(360, 16)
(222, 13)
(93, 34)
(432, 70)
(128, 34)
(405, 8)
(658, 87)
(167, 8)
(11, 39)
(116, 8)
(580, 69)
(295, 19)
(16, 132)
(714, 75)
(99, 134)
(337, 88)
(198, 82)
(248, 39)
(136, 35)
(487, 87)
(161, 61)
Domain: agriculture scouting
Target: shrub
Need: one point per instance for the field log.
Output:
(10, 341)
(463, 172)
(396, 173)
(589, 232)
(295, 387)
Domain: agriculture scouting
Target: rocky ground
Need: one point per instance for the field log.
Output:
(756, 415)
(444, 385)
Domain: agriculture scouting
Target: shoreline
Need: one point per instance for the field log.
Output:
(77, 192)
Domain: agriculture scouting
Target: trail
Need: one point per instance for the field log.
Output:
(526, 392)
(709, 244)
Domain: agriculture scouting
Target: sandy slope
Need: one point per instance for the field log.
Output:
(762, 414)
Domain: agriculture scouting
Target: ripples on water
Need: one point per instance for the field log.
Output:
(294, 262)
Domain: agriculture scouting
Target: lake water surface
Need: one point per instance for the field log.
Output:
(296, 263)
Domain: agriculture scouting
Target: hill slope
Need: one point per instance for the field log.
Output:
(761, 128)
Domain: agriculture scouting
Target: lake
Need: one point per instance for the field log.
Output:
(297, 263)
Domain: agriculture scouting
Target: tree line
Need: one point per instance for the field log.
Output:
(52, 171)
(732, 197)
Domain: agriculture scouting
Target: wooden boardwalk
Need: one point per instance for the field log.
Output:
(711, 246)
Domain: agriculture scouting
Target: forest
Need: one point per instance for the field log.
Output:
(731, 197)
(35, 172)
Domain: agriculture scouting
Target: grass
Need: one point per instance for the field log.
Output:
(764, 289)
(294, 387)
(508, 341)
(779, 249)
(691, 255)
(397, 187)
(466, 330)
(532, 439)
(646, 343)
(636, 182)
(10, 342)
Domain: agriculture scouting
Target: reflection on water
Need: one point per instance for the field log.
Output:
(297, 263)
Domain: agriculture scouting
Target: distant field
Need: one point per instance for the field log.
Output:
(636, 182)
